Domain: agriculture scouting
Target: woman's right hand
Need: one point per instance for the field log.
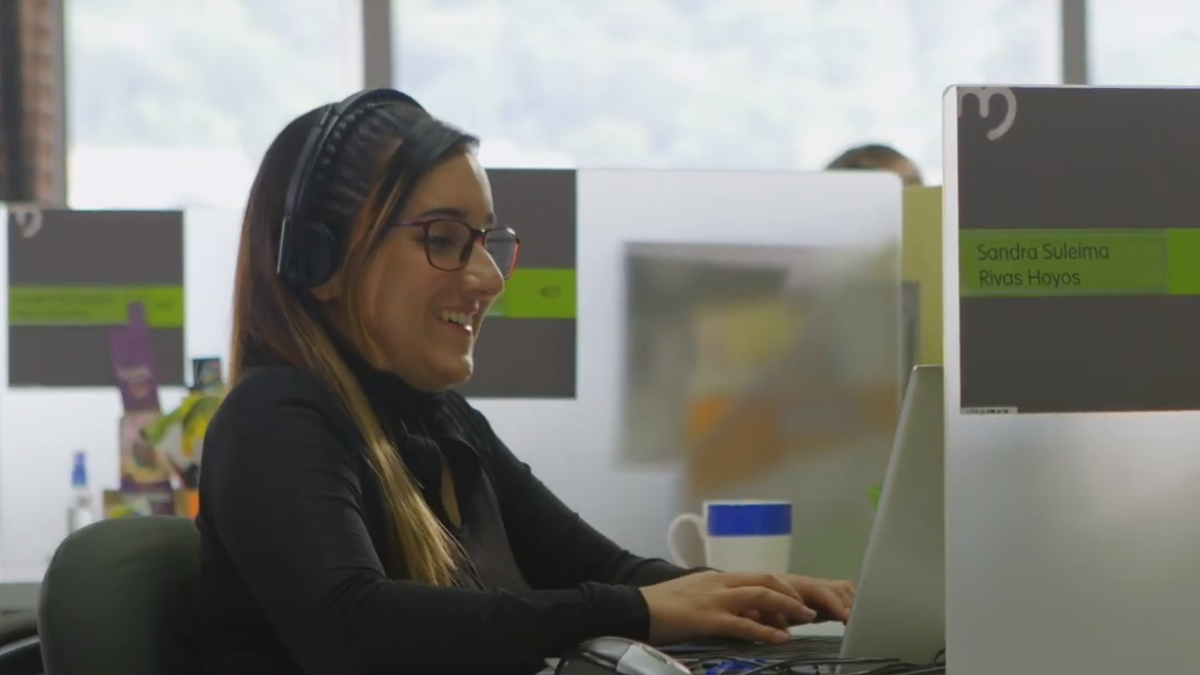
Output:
(709, 605)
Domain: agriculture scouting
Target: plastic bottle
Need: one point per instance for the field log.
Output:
(81, 512)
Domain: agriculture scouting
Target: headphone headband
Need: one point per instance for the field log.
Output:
(308, 253)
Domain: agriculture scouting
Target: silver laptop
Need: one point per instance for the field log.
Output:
(900, 608)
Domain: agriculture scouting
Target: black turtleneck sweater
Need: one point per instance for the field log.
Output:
(293, 543)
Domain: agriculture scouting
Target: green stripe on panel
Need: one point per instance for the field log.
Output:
(1036, 263)
(533, 293)
(94, 305)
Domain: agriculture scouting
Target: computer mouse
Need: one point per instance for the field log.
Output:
(607, 655)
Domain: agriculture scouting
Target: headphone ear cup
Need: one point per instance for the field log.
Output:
(323, 254)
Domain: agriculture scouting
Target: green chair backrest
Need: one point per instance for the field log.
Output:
(20, 651)
(121, 597)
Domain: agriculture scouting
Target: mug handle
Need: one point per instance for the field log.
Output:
(673, 529)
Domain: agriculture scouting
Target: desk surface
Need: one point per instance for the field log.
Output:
(831, 628)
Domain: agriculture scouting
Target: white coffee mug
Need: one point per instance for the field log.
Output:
(740, 535)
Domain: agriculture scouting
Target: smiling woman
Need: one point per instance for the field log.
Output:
(414, 253)
(356, 514)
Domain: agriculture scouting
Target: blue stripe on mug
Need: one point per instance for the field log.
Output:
(749, 520)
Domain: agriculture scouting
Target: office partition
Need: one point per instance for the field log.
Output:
(1072, 315)
(571, 441)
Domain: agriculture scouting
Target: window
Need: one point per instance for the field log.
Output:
(1144, 42)
(172, 104)
(753, 84)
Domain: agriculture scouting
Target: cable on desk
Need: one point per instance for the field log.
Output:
(806, 656)
(810, 666)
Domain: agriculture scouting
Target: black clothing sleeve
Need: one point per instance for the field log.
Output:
(553, 545)
(282, 492)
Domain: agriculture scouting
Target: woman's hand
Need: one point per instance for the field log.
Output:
(724, 605)
(831, 599)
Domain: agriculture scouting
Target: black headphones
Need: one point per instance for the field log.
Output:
(309, 251)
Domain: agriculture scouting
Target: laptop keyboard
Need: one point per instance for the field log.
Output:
(797, 647)
(804, 655)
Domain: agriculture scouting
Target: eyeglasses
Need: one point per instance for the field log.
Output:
(449, 244)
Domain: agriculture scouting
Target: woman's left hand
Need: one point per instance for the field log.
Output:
(830, 599)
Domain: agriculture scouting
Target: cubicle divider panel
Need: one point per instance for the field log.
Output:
(1072, 318)
(922, 273)
(583, 449)
(530, 346)
(71, 278)
(771, 371)
(574, 226)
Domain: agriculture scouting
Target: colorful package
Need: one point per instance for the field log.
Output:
(133, 365)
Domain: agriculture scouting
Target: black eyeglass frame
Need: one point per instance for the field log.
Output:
(477, 235)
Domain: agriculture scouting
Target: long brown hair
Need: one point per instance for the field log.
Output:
(368, 169)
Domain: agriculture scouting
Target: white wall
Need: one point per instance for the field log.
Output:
(571, 444)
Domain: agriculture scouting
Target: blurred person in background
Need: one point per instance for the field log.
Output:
(877, 157)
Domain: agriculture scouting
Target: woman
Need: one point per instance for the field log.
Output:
(356, 515)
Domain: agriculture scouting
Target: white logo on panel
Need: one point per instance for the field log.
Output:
(26, 218)
(984, 96)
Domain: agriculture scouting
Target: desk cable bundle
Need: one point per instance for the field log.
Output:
(809, 656)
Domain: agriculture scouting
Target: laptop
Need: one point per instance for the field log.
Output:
(900, 607)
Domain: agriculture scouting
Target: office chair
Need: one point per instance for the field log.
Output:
(20, 650)
(121, 597)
